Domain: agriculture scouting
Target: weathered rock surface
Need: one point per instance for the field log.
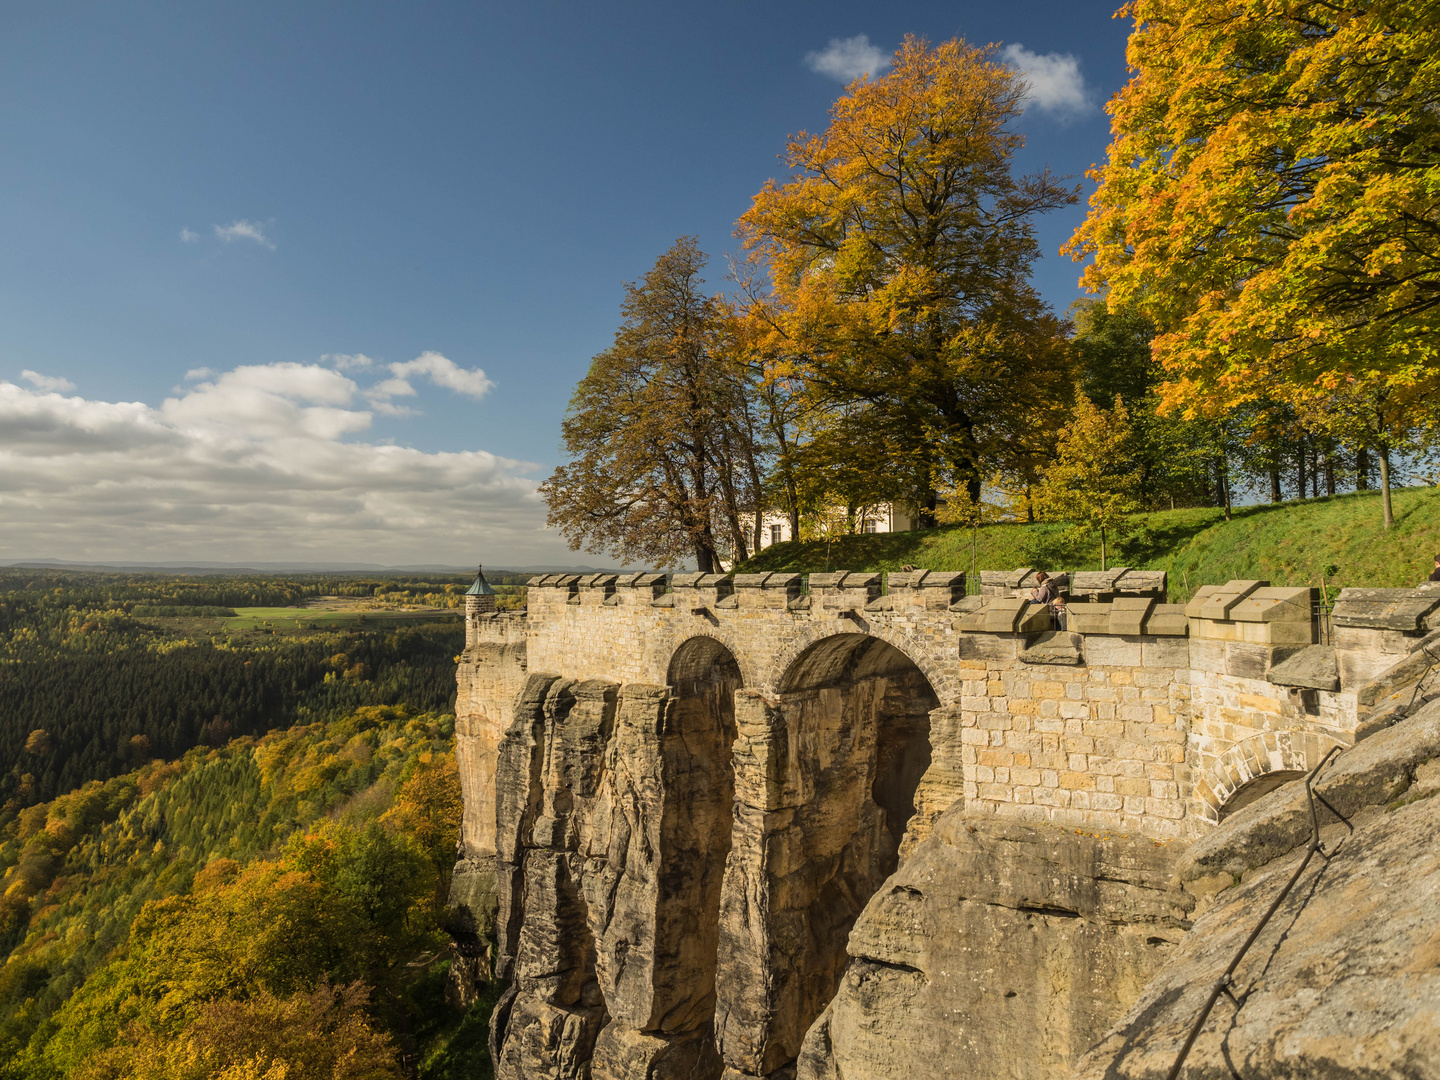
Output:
(999, 949)
(1344, 982)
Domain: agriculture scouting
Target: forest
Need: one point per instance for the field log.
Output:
(225, 853)
(100, 672)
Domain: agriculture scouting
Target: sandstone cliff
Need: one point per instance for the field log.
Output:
(999, 949)
(1344, 982)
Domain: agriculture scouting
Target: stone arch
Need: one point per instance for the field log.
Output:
(848, 720)
(1257, 765)
(660, 653)
(926, 660)
(702, 677)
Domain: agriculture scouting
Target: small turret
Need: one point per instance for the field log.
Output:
(479, 600)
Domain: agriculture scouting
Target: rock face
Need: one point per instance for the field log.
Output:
(612, 831)
(1345, 979)
(999, 949)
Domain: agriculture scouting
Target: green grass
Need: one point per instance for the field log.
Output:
(1287, 543)
(289, 618)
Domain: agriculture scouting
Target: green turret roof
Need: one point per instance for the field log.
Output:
(481, 586)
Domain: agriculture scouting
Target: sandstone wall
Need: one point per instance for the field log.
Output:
(688, 799)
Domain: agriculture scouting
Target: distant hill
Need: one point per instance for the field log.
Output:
(288, 567)
(1289, 543)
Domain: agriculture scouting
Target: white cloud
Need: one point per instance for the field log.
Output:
(847, 59)
(441, 370)
(244, 230)
(258, 463)
(188, 237)
(347, 361)
(53, 384)
(1055, 83)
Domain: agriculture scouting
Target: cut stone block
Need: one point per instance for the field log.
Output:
(1385, 609)
(1215, 601)
(1313, 666)
(1127, 613)
(1054, 647)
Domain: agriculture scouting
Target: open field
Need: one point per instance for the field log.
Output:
(291, 618)
(1291, 543)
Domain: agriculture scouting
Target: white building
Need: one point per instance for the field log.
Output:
(882, 518)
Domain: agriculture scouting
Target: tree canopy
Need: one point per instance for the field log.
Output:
(899, 253)
(661, 431)
(1269, 199)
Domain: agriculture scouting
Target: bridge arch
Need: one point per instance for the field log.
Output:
(849, 712)
(928, 659)
(661, 650)
(699, 734)
(1257, 765)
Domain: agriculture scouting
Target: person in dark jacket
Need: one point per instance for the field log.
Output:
(1048, 593)
(1435, 574)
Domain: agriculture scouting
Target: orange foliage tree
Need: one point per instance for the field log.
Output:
(1269, 201)
(899, 254)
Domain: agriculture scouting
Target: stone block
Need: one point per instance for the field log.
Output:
(1128, 614)
(1003, 614)
(1404, 610)
(1276, 605)
(1167, 619)
(1215, 601)
(1112, 651)
(1054, 647)
(1088, 618)
(1246, 661)
(982, 646)
(1165, 652)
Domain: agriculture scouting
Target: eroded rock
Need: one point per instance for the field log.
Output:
(999, 949)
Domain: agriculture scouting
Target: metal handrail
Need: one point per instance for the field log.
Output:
(1222, 984)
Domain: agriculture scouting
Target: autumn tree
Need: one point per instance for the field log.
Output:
(1093, 483)
(899, 253)
(1268, 199)
(661, 432)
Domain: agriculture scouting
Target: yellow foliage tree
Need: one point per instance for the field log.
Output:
(1269, 200)
(899, 255)
(1094, 482)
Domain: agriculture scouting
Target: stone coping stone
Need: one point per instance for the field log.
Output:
(844, 579)
(598, 581)
(537, 581)
(782, 580)
(711, 581)
(1215, 601)
(1385, 609)
(928, 579)
(1006, 579)
(687, 581)
(1128, 615)
(1054, 647)
(1276, 605)
(1314, 667)
(750, 581)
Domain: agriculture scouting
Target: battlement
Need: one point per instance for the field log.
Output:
(1139, 708)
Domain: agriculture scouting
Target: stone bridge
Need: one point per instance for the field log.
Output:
(685, 791)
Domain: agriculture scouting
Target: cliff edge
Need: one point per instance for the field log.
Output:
(1344, 981)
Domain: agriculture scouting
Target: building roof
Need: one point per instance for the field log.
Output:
(481, 586)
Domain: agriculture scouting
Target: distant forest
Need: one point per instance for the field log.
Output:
(99, 673)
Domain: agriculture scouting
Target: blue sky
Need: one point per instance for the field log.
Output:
(215, 215)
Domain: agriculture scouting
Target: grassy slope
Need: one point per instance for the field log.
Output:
(1288, 544)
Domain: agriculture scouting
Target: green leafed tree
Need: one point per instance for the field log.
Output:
(1094, 483)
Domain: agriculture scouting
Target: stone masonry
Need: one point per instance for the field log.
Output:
(685, 792)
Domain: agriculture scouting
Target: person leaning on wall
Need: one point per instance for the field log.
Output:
(1048, 593)
(1435, 574)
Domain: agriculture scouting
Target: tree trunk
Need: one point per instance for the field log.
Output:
(1102, 549)
(1225, 482)
(1385, 484)
(1029, 506)
(1362, 470)
(1329, 474)
(1300, 477)
(1274, 483)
